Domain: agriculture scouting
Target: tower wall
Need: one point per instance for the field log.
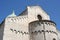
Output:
(16, 28)
(33, 11)
(43, 30)
(2, 30)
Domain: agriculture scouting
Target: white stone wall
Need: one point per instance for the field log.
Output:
(16, 29)
(35, 29)
(51, 27)
(33, 11)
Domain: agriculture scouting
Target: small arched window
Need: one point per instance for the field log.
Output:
(54, 39)
(39, 17)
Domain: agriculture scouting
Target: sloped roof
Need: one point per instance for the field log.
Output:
(23, 13)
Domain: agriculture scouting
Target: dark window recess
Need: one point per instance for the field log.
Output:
(39, 17)
(54, 39)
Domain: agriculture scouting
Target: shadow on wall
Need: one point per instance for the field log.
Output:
(2, 30)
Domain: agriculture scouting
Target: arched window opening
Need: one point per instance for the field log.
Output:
(39, 17)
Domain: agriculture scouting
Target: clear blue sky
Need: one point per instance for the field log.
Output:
(52, 7)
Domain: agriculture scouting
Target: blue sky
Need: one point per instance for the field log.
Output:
(52, 7)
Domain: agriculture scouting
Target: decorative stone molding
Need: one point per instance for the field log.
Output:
(40, 31)
(14, 19)
(44, 22)
(16, 31)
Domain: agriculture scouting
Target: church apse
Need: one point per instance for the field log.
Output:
(42, 29)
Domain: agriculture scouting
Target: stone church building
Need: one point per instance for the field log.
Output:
(32, 24)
